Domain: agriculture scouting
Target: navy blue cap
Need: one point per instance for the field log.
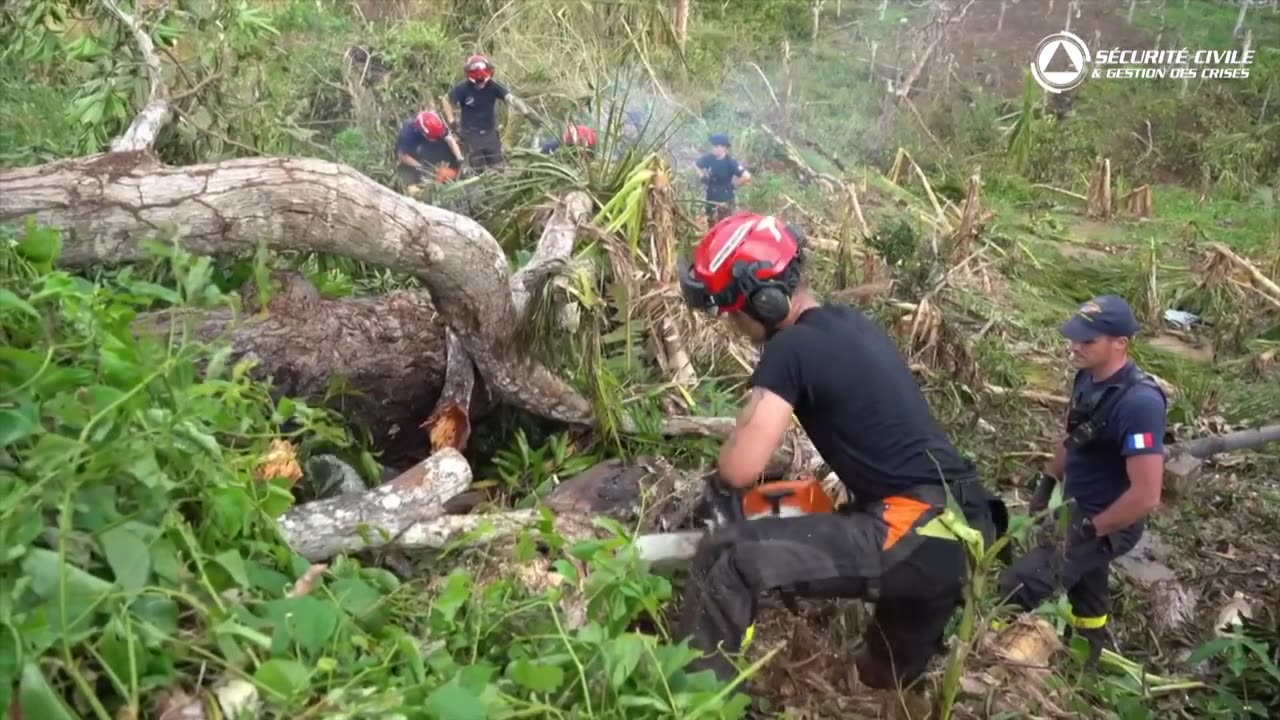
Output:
(1104, 315)
(720, 139)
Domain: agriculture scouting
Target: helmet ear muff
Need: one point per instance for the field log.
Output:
(768, 301)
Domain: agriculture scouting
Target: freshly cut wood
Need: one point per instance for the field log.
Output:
(449, 424)
(1099, 196)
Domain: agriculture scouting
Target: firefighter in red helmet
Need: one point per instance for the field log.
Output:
(844, 379)
(477, 99)
(574, 136)
(425, 146)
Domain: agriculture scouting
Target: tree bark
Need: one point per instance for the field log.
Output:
(385, 354)
(385, 515)
(104, 203)
(146, 125)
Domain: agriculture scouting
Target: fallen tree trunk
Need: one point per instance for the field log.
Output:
(105, 204)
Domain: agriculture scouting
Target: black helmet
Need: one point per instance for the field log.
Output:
(720, 139)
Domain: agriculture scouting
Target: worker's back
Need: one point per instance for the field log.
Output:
(856, 398)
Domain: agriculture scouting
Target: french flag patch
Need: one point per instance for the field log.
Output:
(1141, 441)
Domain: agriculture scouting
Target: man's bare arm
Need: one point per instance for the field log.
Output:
(759, 431)
(453, 145)
(411, 161)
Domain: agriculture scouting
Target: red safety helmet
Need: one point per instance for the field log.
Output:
(432, 125)
(479, 69)
(579, 135)
(741, 256)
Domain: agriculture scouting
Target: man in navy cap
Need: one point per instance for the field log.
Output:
(723, 175)
(1112, 459)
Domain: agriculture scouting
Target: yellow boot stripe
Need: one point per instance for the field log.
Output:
(747, 637)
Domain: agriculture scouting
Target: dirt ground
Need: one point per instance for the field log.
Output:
(997, 52)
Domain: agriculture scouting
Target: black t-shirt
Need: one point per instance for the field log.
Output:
(1096, 475)
(478, 103)
(720, 175)
(856, 398)
(413, 142)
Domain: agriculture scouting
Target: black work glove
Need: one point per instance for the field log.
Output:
(1044, 490)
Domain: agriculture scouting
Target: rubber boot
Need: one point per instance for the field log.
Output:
(1097, 639)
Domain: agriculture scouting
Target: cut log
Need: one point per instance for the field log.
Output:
(380, 517)
(553, 250)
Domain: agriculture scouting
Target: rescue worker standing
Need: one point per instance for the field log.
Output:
(1113, 462)
(852, 391)
(477, 99)
(424, 146)
(723, 175)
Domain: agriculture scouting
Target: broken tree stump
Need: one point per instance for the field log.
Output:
(1099, 196)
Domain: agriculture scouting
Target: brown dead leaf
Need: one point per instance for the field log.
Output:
(307, 582)
(280, 461)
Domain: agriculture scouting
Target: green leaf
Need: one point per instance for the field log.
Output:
(361, 601)
(231, 561)
(623, 656)
(12, 302)
(45, 569)
(36, 698)
(283, 677)
(313, 622)
(128, 556)
(536, 676)
(17, 423)
(451, 702)
(40, 246)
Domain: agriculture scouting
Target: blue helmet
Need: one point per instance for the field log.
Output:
(720, 139)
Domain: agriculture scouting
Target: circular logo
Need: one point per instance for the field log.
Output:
(1061, 62)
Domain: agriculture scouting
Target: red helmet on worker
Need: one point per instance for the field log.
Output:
(431, 125)
(738, 258)
(478, 68)
(579, 135)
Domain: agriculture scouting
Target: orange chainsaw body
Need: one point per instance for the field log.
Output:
(786, 498)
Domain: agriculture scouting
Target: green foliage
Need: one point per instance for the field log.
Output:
(136, 545)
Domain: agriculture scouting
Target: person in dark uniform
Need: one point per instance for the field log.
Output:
(843, 377)
(426, 147)
(476, 99)
(723, 175)
(1112, 461)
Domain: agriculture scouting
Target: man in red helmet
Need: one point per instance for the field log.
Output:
(425, 145)
(845, 380)
(574, 136)
(477, 98)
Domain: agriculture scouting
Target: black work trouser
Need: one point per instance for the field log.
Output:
(483, 147)
(873, 553)
(719, 205)
(1082, 569)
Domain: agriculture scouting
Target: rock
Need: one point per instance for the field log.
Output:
(620, 490)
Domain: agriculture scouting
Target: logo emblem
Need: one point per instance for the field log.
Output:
(1089, 310)
(1061, 62)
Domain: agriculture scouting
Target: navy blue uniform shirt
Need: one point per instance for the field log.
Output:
(1095, 474)
(478, 104)
(720, 175)
(414, 143)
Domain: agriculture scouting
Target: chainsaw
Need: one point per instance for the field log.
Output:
(670, 551)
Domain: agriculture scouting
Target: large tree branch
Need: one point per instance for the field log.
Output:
(146, 125)
(553, 250)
